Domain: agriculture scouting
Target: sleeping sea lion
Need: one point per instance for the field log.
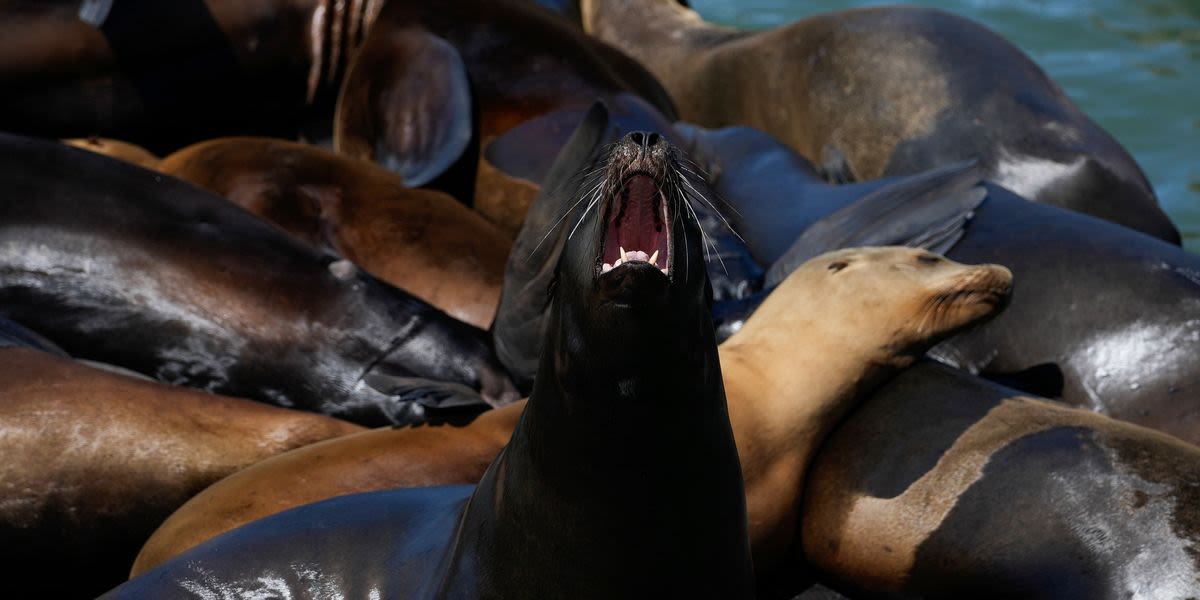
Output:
(888, 91)
(131, 267)
(658, 498)
(421, 241)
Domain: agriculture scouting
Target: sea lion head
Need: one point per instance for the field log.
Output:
(631, 282)
(637, 253)
(916, 295)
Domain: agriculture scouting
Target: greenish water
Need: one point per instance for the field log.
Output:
(1132, 65)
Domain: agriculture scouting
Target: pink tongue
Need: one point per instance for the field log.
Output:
(637, 226)
(636, 255)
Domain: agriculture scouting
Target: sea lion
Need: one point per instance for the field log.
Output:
(166, 75)
(96, 460)
(658, 498)
(434, 83)
(840, 325)
(421, 241)
(117, 149)
(888, 91)
(968, 489)
(134, 268)
(1133, 353)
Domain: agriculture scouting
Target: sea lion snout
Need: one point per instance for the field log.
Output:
(988, 284)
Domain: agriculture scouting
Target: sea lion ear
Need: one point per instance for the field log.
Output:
(405, 104)
(531, 276)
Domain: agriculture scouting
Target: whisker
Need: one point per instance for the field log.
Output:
(564, 216)
(585, 214)
(717, 212)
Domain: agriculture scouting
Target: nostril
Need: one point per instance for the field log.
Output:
(636, 137)
(652, 139)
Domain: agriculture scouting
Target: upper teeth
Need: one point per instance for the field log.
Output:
(633, 256)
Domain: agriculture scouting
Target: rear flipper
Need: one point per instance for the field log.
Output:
(928, 211)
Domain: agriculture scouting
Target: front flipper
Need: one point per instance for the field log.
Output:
(405, 104)
(412, 400)
(928, 211)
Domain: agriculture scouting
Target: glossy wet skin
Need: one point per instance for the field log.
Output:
(164, 279)
(683, 531)
(971, 489)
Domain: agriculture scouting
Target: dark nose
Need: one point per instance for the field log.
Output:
(643, 138)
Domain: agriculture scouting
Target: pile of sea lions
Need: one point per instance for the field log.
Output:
(577, 299)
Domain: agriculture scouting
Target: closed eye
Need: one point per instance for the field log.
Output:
(838, 266)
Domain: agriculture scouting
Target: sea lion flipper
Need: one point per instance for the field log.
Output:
(517, 329)
(925, 211)
(13, 335)
(417, 400)
(406, 104)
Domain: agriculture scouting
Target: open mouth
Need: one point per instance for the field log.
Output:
(637, 230)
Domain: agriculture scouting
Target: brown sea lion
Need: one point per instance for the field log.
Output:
(94, 461)
(434, 83)
(888, 91)
(944, 485)
(130, 153)
(838, 327)
(422, 241)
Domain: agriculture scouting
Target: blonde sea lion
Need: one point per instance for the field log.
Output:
(96, 460)
(422, 241)
(890, 90)
(837, 327)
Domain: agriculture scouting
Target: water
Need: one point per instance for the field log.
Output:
(1132, 65)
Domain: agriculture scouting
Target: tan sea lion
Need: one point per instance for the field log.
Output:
(422, 241)
(888, 91)
(95, 460)
(130, 153)
(837, 327)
